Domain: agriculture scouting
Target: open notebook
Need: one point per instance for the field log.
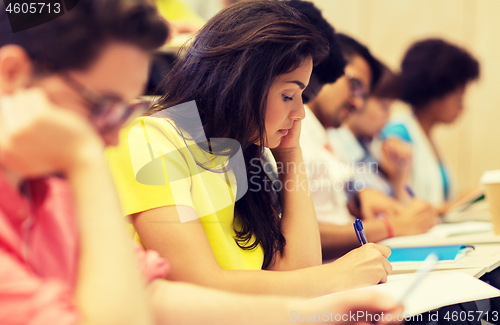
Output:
(436, 290)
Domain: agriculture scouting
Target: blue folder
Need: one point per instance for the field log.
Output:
(418, 254)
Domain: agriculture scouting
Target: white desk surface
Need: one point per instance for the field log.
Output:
(473, 239)
(468, 239)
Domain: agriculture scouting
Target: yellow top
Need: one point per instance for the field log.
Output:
(155, 166)
(176, 10)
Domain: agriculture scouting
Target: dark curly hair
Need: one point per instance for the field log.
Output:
(433, 68)
(228, 70)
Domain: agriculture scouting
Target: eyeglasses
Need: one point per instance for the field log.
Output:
(107, 112)
(356, 87)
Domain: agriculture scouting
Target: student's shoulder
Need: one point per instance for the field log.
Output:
(145, 135)
(163, 124)
(156, 130)
(397, 129)
(401, 125)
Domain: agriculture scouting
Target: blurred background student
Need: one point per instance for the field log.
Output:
(328, 177)
(433, 79)
(385, 170)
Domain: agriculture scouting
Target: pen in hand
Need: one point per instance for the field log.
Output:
(410, 191)
(360, 232)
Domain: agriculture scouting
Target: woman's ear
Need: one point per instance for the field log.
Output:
(16, 68)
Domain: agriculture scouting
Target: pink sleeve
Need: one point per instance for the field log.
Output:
(152, 265)
(27, 299)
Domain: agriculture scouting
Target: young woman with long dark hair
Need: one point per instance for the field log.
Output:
(65, 257)
(245, 70)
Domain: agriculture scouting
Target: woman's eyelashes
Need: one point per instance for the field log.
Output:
(286, 98)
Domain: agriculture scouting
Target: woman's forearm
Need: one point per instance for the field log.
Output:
(399, 188)
(109, 286)
(186, 247)
(298, 224)
(305, 282)
(181, 303)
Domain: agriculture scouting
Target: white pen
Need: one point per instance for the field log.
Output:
(426, 266)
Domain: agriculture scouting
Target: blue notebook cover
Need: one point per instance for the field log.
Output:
(418, 254)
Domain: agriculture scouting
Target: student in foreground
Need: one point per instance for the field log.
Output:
(65, 257)
(246, 70)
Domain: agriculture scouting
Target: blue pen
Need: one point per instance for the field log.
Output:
(410, 192)
(360, 233)
(357, 233)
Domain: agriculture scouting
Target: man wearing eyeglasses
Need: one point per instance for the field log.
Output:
(329, 179)
(336, 100)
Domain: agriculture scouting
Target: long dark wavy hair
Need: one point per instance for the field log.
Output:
(228, 70)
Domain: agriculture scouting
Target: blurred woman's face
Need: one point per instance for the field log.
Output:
(372, 119)
(449, 107)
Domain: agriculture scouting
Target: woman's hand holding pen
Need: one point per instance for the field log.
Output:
(361, 267)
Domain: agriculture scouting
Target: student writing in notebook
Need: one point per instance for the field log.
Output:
(65, 257)
(246, 70)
